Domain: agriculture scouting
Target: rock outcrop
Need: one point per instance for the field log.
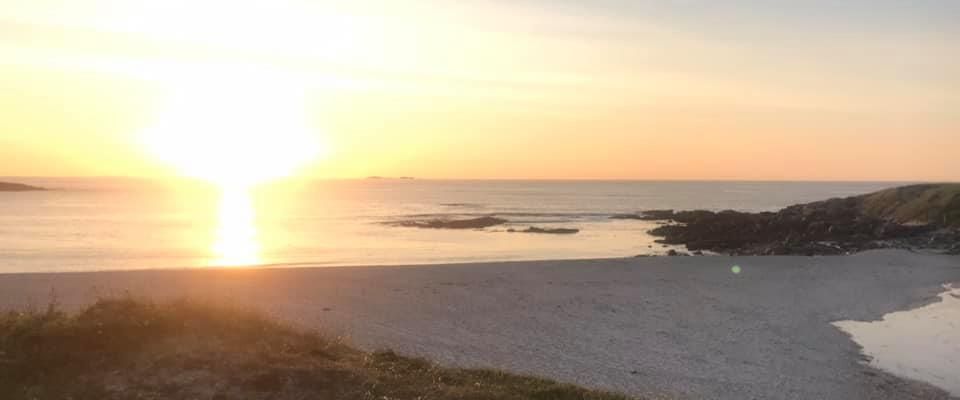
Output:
(917, 216)
(471, 223)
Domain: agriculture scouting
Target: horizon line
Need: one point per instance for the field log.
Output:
(410, 178)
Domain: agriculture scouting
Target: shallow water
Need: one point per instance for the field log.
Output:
(96, 224)
(923, 343)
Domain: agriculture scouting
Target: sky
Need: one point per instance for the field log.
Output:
(563, 89)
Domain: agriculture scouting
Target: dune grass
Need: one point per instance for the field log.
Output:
(125, 348)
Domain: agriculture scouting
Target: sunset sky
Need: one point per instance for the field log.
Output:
(740, 89)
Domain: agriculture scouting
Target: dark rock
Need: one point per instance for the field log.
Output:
(472, 223)
(553, 231)
(649, 215)
(464, 205)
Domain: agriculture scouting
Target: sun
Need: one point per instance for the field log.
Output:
(234, 129)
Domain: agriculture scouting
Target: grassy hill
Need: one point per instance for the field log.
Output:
(935, 204)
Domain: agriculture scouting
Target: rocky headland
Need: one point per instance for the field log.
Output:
(17, 187)
(925, 216)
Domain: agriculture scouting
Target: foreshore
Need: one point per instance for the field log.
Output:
(674, 327)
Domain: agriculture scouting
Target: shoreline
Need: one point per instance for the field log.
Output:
(293, 266)
(333, 265)
(683, 326)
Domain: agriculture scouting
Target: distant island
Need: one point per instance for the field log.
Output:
(925, 216)
(376, 177)
(17, 187)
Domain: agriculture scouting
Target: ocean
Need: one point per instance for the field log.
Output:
(86, 224)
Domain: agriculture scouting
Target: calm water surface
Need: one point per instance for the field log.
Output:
(99, 224)
(922, 343)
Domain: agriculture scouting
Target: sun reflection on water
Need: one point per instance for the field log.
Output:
(236, 237)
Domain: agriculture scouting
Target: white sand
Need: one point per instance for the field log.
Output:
(661, 326)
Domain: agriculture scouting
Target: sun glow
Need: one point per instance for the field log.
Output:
(235, 130)
(236, 239)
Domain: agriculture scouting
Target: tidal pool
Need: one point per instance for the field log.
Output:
(922, 344)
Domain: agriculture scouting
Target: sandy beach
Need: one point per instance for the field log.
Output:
(673, 327)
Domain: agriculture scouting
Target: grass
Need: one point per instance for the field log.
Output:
(925, 203)
(125, 348)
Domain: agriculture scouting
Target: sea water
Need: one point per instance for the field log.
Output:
(87, 224)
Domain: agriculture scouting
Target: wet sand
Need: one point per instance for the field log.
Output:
(664, 326)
